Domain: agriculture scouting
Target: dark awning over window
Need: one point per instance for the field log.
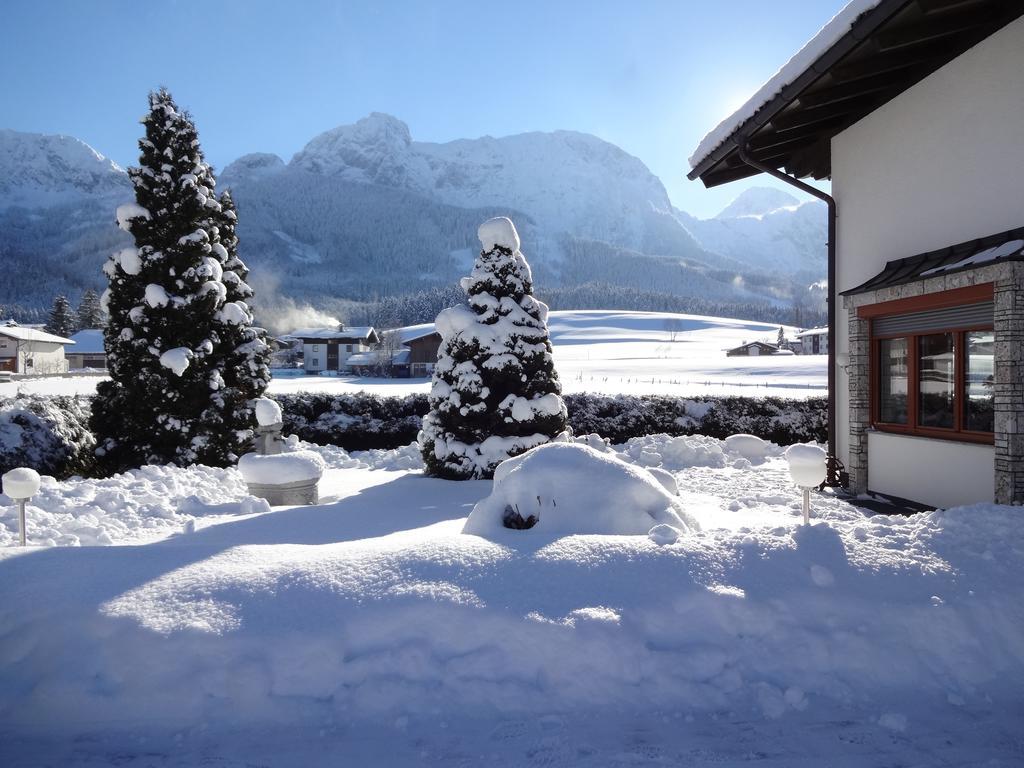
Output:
(1006, 246)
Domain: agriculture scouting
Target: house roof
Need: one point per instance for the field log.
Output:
(89, 342)
(332, 334)
(763, 344)
(21, 333)
(1005, 246)
(378, 356)
(414, 332)
(823, 331)
(872, 51)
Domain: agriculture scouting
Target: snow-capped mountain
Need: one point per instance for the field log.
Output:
(758, 201)
(38, 170)
(766, 228)
(567, 182)
(364, 211)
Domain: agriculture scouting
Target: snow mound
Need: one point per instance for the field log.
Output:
(673, 453)
(749, 447)
(21, 483)
(498, 231)
(139, 506)
(663, 534)
(574, 489)
(293, 467)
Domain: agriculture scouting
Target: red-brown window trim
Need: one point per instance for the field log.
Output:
(973, 294)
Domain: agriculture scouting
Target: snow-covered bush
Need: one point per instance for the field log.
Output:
(568, 488)
(183, 357)
(495, 392)
(48, 434)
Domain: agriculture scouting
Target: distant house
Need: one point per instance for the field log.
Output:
(29, 350)
(914, 110)
(422, 352)
(415, 357)
(88, 351)
(328, 349)
(381, 362)
(814, 341)
(752, 349)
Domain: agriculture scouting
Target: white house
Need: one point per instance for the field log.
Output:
(328, 349)
(29, 350)
(813, 341)
(914, 110)
(88, 351)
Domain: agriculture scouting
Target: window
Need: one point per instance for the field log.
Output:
(932, 368)
(316, 362)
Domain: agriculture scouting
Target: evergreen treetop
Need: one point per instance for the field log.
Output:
(62, 319)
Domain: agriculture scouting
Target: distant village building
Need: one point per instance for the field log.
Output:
(752, 349)
(814, 341)
(29, 350)
(423, 352)
(328, 349)
(88, 351)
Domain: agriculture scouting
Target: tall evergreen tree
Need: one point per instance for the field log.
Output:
(90, 313)
(495, 392)
(243, 348)
(62, 318)
(164, 401)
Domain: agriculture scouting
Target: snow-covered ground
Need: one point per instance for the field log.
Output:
(602, 351)
(369, 630)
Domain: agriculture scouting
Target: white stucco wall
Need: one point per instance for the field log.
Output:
(940, 164)
(940, 473)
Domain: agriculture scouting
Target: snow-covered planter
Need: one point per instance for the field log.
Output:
(285, 479)
(571, 488)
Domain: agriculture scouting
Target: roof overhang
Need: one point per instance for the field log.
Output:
(886, 50)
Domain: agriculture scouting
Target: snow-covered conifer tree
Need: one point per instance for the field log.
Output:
(164, 401)
(243, 349)
(90, 313)
(495, 393)
(62, 318)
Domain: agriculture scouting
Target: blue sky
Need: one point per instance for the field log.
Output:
(649, 75)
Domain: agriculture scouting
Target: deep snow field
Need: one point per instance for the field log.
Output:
(602, 351)
(370, 631)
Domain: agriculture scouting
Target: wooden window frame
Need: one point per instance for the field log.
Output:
(946, 299)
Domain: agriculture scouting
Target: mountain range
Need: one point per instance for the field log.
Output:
(364, 211)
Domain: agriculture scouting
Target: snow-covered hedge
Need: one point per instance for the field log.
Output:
(51, 434)
(356, 422)
(48, 434)
(622, 417)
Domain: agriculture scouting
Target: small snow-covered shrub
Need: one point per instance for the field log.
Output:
(49, 434)
(573, 489)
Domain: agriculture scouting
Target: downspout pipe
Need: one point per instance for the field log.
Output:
(830, 201)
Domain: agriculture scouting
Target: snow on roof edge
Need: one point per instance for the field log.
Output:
(827, 36)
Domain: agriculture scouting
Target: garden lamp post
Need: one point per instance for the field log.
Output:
(21, 484)
(808, 468)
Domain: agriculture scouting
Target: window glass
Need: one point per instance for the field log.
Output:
(936, 366)
(893, 392)
(978, 388)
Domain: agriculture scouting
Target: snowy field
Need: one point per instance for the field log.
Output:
(606, 352)
(370, 631)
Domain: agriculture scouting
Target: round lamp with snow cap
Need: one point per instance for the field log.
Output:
(808, 468)
(20, 485)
